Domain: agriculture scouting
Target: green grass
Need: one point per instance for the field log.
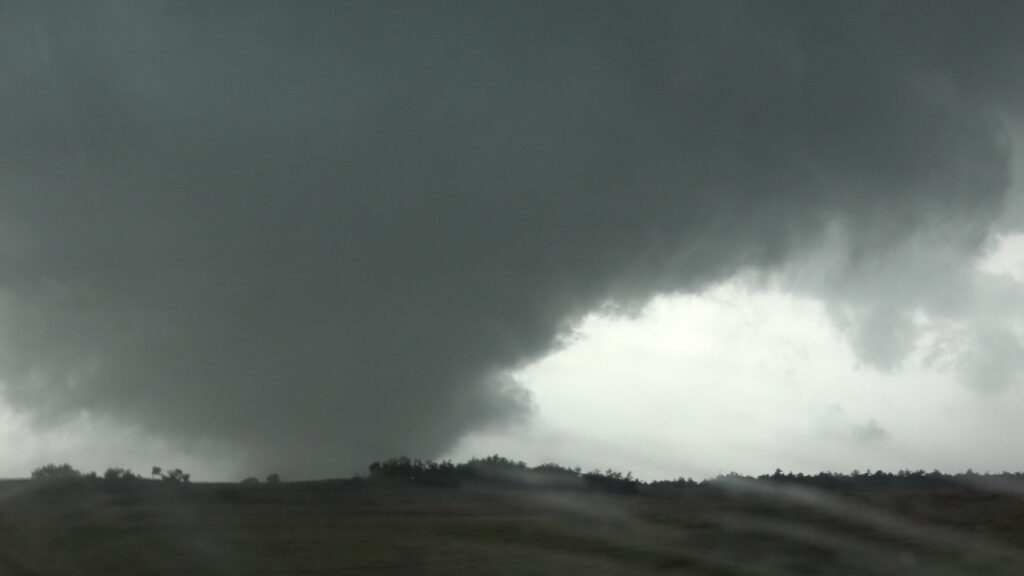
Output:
(154, 528)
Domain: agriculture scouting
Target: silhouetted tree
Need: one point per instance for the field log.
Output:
(119, 475)
(176, 476)
(500, 471)
(51, 472)
(611, 481)
(273, 478)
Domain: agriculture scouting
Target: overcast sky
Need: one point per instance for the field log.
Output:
(677, 238)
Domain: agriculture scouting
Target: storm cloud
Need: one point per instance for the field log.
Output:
(322, 233)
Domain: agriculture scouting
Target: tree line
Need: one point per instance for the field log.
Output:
(504, 472)
(66, 472)
(500, 471)
(866, 480)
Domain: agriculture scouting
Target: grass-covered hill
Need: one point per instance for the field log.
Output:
(496, 516)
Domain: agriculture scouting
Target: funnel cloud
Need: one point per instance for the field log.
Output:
(322, 233)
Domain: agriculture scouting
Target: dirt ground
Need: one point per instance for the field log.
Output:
(353, 528)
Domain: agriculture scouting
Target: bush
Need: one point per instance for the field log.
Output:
(251, 480)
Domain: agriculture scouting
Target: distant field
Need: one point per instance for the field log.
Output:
(151, 527)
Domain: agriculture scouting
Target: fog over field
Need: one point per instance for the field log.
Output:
(674, 237)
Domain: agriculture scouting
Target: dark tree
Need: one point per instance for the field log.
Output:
(176, 476)
(119, 475)
(56, 472)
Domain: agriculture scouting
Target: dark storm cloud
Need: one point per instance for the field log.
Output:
(319, 232)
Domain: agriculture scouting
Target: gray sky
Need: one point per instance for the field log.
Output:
(302, 237)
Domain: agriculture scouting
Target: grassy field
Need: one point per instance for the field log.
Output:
(151, 527)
